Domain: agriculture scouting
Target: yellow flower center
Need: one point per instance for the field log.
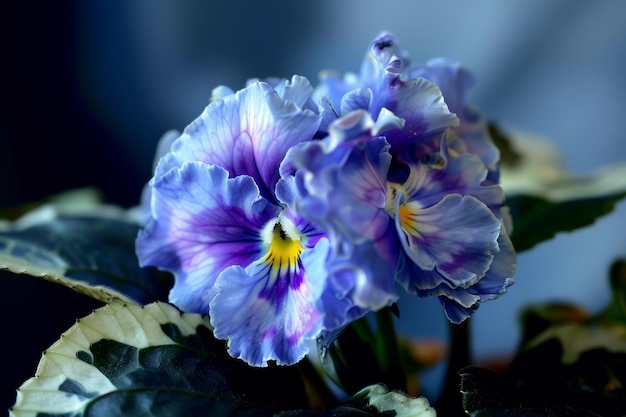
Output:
(407, 211)
(284, 247)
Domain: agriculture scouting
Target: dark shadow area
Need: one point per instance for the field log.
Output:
(34, 314)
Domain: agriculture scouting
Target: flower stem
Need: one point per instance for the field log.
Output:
(364, 331)
(319, 394)
(388, 351)
(451, 402)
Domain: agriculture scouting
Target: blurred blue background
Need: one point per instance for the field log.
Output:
(89, 87)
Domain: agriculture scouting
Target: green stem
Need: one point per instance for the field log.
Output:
(451, 402)
(616, 311)
(388, 350)
(320, 395)
(364, 331)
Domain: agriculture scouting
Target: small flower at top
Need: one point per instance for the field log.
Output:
(381, 85)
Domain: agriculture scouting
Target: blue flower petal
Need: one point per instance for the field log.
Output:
(202, 223)
(359, 280)
(500, 274)
(420, 103)
(456, 312)
(297, 90)
(332, 88)
(268, 311)
(346, 189)
(454, 81)
(246, 133)
(328, 114)
(383, 63)
(460, 303)
(379, 86)
(460, 173)
(457, 237)
(341, 186)
(357, 99)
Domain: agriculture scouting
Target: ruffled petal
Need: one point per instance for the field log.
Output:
(455, 312)
(460, 303)
(359, 275)
(202, 223)
(297, 90)
(346, 188)
(458, 299)
(358, 281)
(383, 63)
(246, 133)
(460, 173)
(379, 86)
(341, 186)
(500, 274)
(420, 103)
(457, 237)
(357, 99)
(267, 311)
(328, 114)
(454, 81)
(332, 87)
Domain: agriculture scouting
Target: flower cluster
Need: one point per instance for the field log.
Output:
(285, 211)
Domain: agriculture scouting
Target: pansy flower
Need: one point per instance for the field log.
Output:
(434, 230)
(454, 235)
(440, 164)
(219, 225)
(430, 98)
(381, 85)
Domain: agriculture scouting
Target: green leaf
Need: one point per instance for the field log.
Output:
(92, 252)
(151, 360)
(536, 219)
(154, 360)
(545, 199)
